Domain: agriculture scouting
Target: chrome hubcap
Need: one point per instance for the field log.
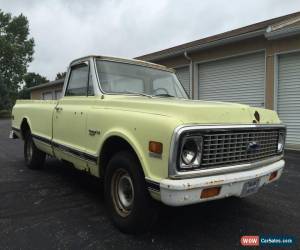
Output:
(122, 192)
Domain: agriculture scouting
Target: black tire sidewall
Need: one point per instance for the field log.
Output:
(143, 212)
(38, 157)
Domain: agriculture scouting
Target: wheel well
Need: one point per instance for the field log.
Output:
(25, 129)
(110, 147)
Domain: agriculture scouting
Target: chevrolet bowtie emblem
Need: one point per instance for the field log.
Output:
(253, 147)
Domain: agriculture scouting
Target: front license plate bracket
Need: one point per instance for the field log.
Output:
(250, 187)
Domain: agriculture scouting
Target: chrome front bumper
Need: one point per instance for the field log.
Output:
(188, 191)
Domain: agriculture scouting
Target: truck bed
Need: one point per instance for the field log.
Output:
(39, 115)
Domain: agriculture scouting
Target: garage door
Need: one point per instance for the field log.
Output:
(47, 96)
(238, 79)
(183, 75)
(288, 99)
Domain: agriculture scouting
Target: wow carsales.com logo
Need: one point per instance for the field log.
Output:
(250, 240)
(267, 240)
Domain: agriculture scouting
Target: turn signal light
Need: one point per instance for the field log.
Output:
(155, 147)
(273, 176)
(210, 192)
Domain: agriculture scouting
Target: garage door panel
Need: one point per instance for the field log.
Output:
(249, 83)
(248, 95)
(288, 87)
(183, 75)
(238, 64)
(292, 102)
(242, 69)
(239, 79)
(288, 64)
(288, 96)
(217, 79)
(225, 84)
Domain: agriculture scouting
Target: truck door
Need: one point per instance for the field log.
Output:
(69, 119)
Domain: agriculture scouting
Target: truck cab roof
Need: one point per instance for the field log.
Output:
(122, 60)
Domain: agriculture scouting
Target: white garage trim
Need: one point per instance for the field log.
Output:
(248, 53)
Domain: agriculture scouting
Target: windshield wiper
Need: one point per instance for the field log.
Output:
(164, 95)
(137, 93)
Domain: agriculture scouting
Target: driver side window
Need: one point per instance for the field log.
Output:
(78, 81)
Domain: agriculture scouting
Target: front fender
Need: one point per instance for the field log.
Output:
(132, 141)
(138, 129)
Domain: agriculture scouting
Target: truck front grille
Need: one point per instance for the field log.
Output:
(227, 147)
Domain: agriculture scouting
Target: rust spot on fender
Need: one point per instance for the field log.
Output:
(187, 186)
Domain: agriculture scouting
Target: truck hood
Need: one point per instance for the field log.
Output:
(192, 111)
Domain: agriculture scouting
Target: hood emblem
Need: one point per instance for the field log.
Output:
(257, 117)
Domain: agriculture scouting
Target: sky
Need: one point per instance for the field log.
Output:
(64, 30)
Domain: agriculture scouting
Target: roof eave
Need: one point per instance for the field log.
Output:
(46, 85)
(273, 35)
(212, 44)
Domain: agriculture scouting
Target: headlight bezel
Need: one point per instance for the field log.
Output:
(281, 141)
(196, 162)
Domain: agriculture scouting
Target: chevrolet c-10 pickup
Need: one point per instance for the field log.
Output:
(131, 123)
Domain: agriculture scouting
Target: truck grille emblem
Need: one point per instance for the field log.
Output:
(253, 147)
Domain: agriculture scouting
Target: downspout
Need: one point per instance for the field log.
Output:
(191, 69)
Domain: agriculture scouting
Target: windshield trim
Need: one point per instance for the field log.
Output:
(135, 62)
(117, 60)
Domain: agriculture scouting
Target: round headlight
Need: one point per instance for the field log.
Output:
(280, 144)
(189, 152)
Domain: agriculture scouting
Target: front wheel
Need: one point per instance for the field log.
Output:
(34, 158)
(127, 199)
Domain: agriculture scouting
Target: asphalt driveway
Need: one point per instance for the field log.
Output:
(59, 207)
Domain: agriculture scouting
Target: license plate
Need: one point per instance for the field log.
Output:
(250, 187)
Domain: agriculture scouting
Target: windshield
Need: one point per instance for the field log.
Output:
(118, 77)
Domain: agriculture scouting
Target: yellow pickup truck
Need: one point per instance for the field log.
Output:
(131, 123)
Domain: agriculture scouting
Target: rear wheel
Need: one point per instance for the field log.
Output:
(34, 158)
(127, 199)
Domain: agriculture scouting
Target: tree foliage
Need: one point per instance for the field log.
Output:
(16, 50)
(31, 79)
(60, 75)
